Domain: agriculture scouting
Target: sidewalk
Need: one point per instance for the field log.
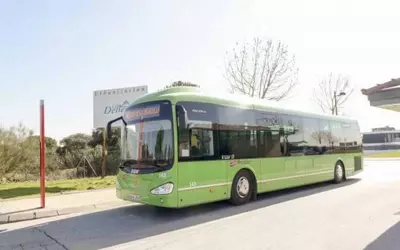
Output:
(29, 208)
(366, 158)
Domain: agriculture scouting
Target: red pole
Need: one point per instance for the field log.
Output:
(42, 156)
(140, 142)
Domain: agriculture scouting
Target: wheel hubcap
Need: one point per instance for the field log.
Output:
(339, 172)
(243, 187)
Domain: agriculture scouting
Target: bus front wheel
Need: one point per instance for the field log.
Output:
(339, 174)
(242, 188)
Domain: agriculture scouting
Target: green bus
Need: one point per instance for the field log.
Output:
(181, 147)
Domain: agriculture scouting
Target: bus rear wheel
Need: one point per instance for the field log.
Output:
(339, 174)
(242, 188)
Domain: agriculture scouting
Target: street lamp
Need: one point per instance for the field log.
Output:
(336, 101)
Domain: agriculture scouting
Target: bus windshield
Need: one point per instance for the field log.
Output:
(147, 138)
(156, 141)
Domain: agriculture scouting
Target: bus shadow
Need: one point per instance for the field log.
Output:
(126, 224)
(389, 240)
(221, 209)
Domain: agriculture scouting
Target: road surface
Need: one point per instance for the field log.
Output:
(363, 213)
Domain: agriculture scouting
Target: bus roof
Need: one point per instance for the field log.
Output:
(176, 94)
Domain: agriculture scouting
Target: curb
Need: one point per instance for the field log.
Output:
(61, 193)
(18, 217)
(381, 159)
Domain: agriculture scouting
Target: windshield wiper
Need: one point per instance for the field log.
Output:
(145, 162)
(129, 163)
(158, 166)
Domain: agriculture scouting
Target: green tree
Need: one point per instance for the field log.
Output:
(11, 151)
(51, 143)
(52, 161)
(19, 153)
(98, 137)
(75, 152)
(113, 147)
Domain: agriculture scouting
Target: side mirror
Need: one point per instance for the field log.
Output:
(182, 117)
(109, 132)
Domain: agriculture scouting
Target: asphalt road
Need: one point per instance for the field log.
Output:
(362, 213)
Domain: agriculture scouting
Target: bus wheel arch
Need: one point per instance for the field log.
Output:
(244, 180)
(339, 173)
(254, 189)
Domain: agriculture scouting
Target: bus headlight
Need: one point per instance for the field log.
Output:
(163, 189)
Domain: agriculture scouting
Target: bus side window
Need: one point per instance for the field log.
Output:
(273, 148)
(337, 137)
(202, 142)
(312, 136)
(184, 143)
(268, 126)
(352, 137)
(236, 132)
(326, 137)
(292, 137)
(197, 141)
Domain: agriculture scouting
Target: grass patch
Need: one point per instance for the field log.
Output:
(392, 154)
(24, 189)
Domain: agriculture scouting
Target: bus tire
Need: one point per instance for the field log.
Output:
(339, 173)
(242, 188)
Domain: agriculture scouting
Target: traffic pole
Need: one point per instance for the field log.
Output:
(104, 154)
(42, 157)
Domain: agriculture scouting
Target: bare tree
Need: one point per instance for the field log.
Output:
(263, 69)
(332, 92)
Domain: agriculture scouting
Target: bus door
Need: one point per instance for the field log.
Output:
(201, 177)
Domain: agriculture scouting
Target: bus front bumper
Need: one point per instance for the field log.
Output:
(141, 192)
